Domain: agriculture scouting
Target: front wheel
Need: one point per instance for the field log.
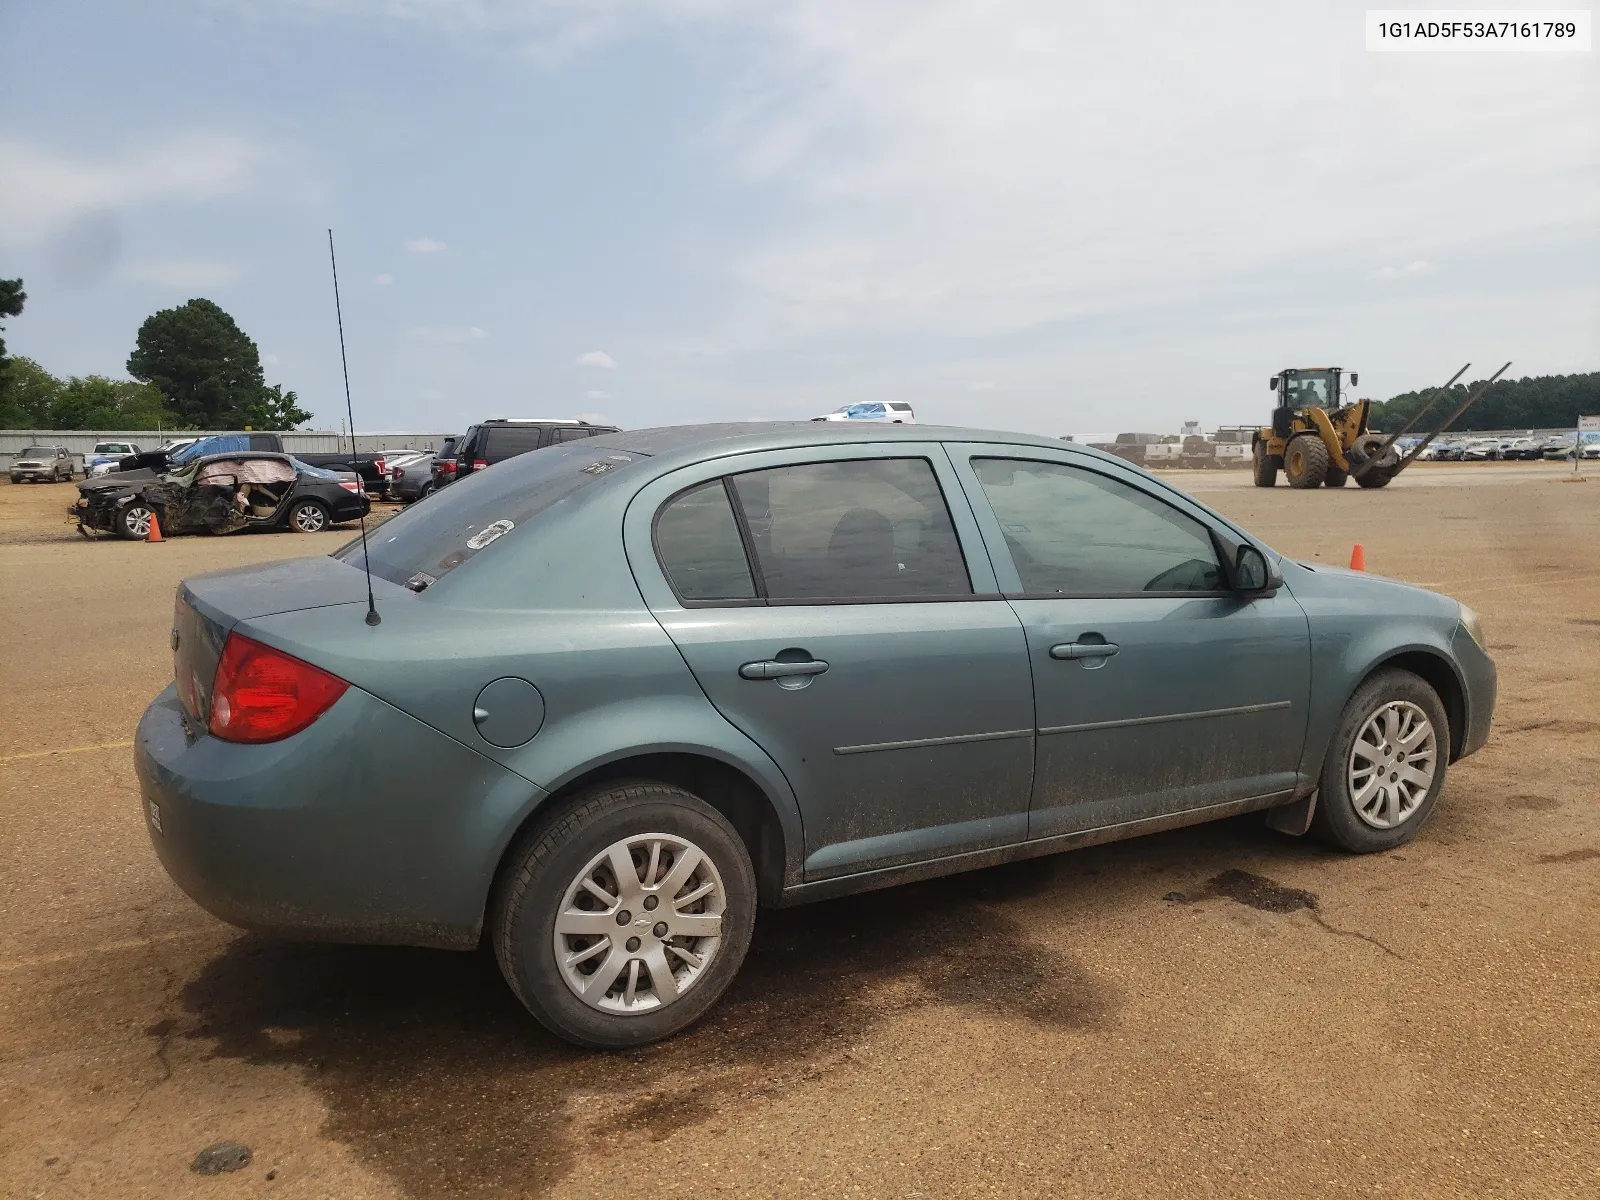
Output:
(133, 522)
(1306, 461)
(623, 917)
(309, 516)
(1386, 764)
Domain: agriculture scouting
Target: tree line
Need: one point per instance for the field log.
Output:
(192, 368)
(1533, 402)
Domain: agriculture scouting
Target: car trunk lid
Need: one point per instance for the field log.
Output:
(208, 607)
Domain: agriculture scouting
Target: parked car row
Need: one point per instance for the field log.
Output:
(1555, 447)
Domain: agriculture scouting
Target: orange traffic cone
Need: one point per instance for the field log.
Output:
(155, 529)
(1358, 558)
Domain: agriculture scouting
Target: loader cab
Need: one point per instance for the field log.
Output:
(1310, 387)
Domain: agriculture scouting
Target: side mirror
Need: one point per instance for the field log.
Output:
(1253, 574)
(1354, 379)
(1272, 384)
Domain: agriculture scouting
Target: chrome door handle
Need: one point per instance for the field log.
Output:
(1084, 650)
(770, 669)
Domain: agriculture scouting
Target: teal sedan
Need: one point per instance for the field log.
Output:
(621, 692)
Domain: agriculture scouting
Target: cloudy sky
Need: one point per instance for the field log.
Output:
(1061, 218)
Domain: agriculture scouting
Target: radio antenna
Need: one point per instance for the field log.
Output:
(372, 605)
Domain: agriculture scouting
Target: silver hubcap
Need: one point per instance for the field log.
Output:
(309, 519)
(640, 924)
(1392, 764)
(138, 521)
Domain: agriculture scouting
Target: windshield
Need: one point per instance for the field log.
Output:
(428, 541)
(37, 452)
(1310, 389)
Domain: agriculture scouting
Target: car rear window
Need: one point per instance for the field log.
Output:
(428, 541)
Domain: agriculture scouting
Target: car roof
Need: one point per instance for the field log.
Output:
(695, 442)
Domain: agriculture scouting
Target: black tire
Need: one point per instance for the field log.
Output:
(1336, 821)
(130, 518)
(309, 516)
(1264, 465)
(1375, 478)
(1306, 461)
(1335, 477)
(546, 863)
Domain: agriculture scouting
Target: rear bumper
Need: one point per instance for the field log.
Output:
(367, 827)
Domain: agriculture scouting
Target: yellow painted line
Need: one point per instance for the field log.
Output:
(69, 750)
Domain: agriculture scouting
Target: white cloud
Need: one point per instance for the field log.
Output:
(451, 337)
(43, 191)
(431, 394)
(382, 280)
(183, 272)
(423, 245)
(983, 385)
(598, 395)
(269, 360)
(597, 358)
(1410, 271)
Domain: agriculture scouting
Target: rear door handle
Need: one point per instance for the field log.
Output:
(1084, 650)
(770, 669)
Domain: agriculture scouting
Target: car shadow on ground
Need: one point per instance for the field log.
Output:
(434, 1074)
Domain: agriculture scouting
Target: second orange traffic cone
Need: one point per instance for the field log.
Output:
(1358, 558)
(155, 529)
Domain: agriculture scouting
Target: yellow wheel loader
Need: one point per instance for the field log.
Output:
(1318, 440)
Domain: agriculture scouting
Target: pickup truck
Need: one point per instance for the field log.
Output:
(372, 467)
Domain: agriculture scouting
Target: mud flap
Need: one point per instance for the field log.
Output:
(1293, 818)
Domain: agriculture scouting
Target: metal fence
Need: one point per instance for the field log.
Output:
(308, 441)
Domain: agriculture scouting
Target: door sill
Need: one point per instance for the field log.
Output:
(866, 881)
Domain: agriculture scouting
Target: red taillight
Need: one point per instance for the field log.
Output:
(382, 465)
(350, 485)
(262, 694)
(447, 468)
(479, 464)
(399, 472)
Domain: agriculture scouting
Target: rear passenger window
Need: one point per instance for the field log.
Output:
(511, 440)
(570, 435)
(869, 529)
(698, 543)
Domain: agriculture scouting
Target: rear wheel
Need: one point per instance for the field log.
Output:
(1265, 465)
(625, 915)
(1306, 462)
(1335, 477)
(309, 516)
(1385, 766)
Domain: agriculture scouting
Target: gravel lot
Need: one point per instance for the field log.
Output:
(1302, 1023)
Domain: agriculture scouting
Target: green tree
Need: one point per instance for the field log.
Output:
(95, 402)
(1533, 402)
(12, 298)
(209, 370)
(27, 395)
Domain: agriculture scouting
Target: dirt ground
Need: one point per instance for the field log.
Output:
(1301, 1023)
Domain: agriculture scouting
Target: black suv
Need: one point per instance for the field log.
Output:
(493, 441)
